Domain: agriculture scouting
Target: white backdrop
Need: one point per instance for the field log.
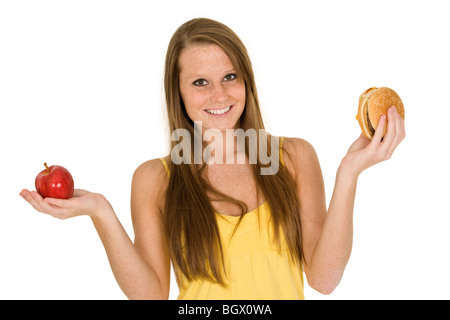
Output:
(81, 86)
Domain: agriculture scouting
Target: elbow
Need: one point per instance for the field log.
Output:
(325, 290)
(154, 290)
(148, 296)
(325, 279)
(324, 286)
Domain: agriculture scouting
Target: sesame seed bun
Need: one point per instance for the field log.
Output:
(373, 103)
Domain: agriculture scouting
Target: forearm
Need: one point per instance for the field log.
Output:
(333, 249)
(135, 277)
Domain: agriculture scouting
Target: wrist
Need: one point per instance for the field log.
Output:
(103, 208)
(348, 169)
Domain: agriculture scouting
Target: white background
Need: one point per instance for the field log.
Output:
(81, 86)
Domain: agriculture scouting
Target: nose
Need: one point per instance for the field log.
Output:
(219, 93)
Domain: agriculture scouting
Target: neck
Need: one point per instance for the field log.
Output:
(219, 146)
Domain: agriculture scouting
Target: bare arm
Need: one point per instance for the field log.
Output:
(137, 278)
(328, 257)
(136, 267)
(328, 234)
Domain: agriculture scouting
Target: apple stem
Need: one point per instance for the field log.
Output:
(48, 170)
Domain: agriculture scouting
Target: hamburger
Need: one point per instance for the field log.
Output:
(373, 103)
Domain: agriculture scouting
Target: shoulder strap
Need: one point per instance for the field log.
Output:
(165, 165)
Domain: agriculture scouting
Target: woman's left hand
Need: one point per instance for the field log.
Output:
(364, 153)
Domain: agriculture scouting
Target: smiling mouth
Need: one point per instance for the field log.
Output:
(219, 111)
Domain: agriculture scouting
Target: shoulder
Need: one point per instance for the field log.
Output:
(151, 168)
(149, 181)
(297, 145)
(299, 155)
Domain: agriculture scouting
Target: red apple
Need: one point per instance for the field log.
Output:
(54, 182)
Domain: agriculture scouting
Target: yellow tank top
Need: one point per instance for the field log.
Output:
(256, 268)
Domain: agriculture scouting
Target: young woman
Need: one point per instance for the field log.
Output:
(230, 231)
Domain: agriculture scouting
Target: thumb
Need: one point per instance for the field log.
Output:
(359, 144)
(80, 192)
(56, 202)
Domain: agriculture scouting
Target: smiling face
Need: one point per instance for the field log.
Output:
(212, 90)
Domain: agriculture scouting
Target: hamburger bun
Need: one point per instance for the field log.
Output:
(373, 103)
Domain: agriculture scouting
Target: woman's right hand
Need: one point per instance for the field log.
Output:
(82, 203)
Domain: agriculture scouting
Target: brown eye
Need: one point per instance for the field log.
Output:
(200, 82)
(230, 77)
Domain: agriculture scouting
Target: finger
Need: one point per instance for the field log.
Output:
(400, 125)
(42, 206)
(391, 130)
(40, 203)
(25, 194)
(379, 130)
(34, 201)
(399, 133)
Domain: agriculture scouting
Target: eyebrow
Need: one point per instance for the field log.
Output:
(199, 76)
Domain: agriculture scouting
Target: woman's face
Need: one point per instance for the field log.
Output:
(212, 90)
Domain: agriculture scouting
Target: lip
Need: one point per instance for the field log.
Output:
(219, 115)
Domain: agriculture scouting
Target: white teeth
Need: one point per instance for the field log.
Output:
(220, 111)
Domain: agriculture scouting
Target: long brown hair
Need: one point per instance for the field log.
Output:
(188, 217)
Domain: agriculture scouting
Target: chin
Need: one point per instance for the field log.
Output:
(221, 128)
